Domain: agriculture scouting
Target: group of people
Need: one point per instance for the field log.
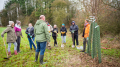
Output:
(42, 31)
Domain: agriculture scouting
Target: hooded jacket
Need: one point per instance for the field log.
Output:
(41, 31)
(30, 30)
(63, 29)
(75, 28)
(11, 36)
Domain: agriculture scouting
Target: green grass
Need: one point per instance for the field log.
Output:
(57, 57)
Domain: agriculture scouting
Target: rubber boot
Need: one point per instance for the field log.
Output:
(15, 52)
(9, 53)
(36, 56)
(41, 59)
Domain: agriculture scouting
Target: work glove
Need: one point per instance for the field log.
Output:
(55, 31)
(73, 31)
(49, 31)
(87, 38)
(30, 36)
(2, 36)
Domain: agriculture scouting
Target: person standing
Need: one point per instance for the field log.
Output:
(11, 37)
(74, 31)
(18, 34)
(42, 37)
(30, 35)
(49, 29)
(63, 31)
(54, 35)
(85, 34)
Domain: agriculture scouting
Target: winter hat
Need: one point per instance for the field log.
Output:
(18, 22)
(73, 22)
(10, 23)
(63, 24)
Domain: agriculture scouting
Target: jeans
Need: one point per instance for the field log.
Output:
(84, 43)
(31, 43)
(63, 39)
(41, 47)
(55, 41)
(15, 47)
(18, 43)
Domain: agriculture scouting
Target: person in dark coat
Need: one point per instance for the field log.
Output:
(74, 31)
(54, 35)
(63, 31)
(30, 35)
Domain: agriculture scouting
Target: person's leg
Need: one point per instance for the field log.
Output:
(42, 49)
(37, 51)
(74, 40)
(9, 45)
(33, 43)
(64, 39)
(18, 43)
(54, 40)
(77, 40)
(30, 43)
(15, 48)
(84, 45)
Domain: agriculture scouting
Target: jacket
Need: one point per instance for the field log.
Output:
(53, 32)
(17, 30)
(49, 29)
(41, 31)
(87, 29)
(63, 29)
(11, 36)
(75, 28)
(30, 31)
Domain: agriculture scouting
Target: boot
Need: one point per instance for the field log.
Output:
(41, 59)
(9, 53)
(73, 46)
(15, 52)
(36, 56)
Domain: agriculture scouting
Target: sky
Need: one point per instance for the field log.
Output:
(2, 4)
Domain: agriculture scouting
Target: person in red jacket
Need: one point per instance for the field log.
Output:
(85, 34)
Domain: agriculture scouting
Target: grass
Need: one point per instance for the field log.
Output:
(56, 57)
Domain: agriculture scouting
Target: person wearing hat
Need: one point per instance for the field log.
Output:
(11, 37)
(18, 34)
(74, 31)
(63, 31)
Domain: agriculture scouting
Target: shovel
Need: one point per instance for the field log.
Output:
(5, 49)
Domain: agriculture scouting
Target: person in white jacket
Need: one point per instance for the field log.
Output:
(49, 29)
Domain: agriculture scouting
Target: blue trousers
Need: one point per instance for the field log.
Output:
(41, 47)
(31, 42)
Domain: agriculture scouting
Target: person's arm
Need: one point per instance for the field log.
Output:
(35, 30)
(46, 32)
(57, 30)
(60, 29)
(5, 31)
(26, 31)
(76, 29)
(70, 29)
(65, 30)
(32, 32)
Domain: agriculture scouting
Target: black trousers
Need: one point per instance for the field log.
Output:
(18, 43)
(55, 41)
(84, 43)
(75, 38)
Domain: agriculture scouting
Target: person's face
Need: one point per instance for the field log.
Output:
(44, 18)
(19, 24)
(12, 25)
(73, 23)
(85, 21)
(55, 26)
(30, 25)
(62, 25)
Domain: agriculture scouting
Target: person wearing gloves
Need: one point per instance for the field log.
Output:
(85, 34)
(54, 35)
(42, 37)
(30, 35)
(74, 31)
(49, 29)
(18, 34)
(11, 37)
(63, 31)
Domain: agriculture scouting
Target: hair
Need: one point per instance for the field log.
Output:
(46, 21)
(41, 16)
(87, 20)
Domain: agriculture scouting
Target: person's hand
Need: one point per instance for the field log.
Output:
(30, 36)
(2, 36)
(73, 31)
(87, 38)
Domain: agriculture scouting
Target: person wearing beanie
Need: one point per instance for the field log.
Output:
(85, 34)
(11, 37)
(49, 30)
(30, 35)
(74, 31)
(18, 34)
(63, 31)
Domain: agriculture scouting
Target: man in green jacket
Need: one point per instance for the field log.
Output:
(42, 37)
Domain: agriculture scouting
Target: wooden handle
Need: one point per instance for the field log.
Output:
(5, 47)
